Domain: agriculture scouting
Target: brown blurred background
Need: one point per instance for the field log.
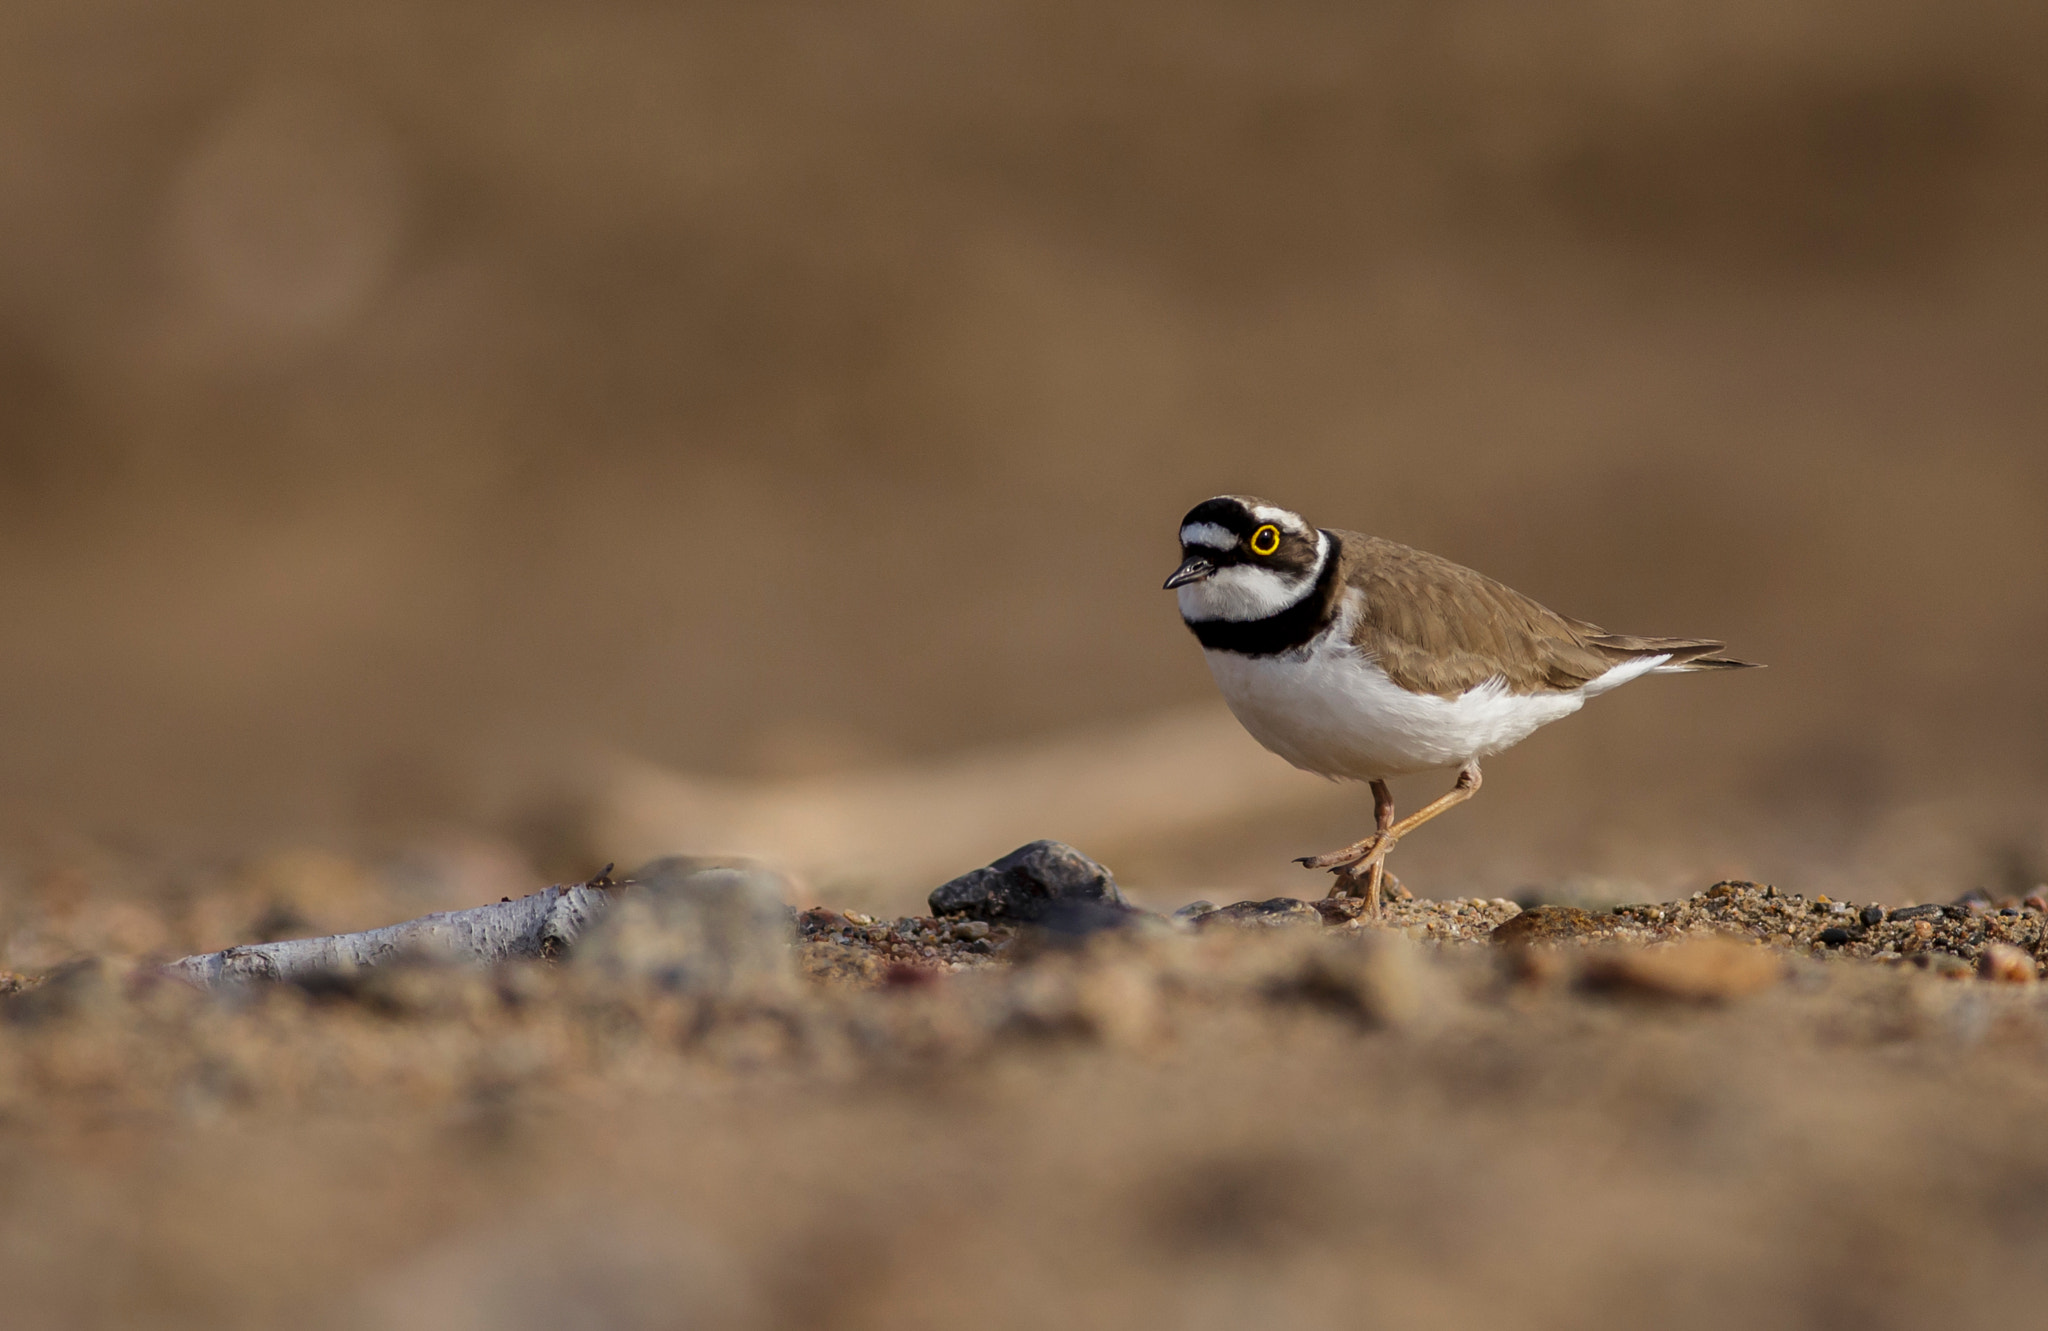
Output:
(403, 408)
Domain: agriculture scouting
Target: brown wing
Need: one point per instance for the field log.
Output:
(1438, 627)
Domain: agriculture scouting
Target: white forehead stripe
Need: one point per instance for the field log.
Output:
(1279, 517)
(1209, 535)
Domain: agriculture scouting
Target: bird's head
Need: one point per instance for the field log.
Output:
(1245, 559)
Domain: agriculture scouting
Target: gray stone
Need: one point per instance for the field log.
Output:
(1027, 884)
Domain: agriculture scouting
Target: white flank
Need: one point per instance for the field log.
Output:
(1330, 709)
(1208, 535)
(1241, 592)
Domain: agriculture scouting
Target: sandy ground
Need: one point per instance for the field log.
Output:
(445, 448)
(1686, 1114)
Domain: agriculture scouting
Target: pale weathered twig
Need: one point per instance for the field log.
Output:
(539, 925)
(685, 923)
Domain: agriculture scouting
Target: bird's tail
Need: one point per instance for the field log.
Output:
(1687, 654)
(1706, 663)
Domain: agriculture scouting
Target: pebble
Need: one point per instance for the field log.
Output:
(969, 930)
(1545, 923)
(1926, 910)
(1836, 937)
(2006, 963)
(1873, 915)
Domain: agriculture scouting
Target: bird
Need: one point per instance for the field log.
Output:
(1359, 658)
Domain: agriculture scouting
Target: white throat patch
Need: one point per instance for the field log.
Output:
(1246, 592)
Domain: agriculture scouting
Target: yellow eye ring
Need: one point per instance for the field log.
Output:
(1265, 540)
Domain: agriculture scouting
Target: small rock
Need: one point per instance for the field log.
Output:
(1837, 936)
(1272, 914)
(1698, 970)
(1872, 915)
(1194, 910)
(2003, 961)
(1542, 924)
(969, 930)
(1924, 911)
(1023, 884)
(818, 920)
(2036, 902)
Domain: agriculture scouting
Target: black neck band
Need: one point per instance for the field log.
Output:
(1276, 633)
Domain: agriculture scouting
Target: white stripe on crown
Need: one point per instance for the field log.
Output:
(1208, 535)
(1279, 517)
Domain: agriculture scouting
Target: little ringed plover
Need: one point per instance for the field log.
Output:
(1359, 659)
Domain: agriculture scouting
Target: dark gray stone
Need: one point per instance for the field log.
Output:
(1925, 911)
(1873, 915)
(1027, 884)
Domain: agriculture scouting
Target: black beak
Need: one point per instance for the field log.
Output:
(1192, 569)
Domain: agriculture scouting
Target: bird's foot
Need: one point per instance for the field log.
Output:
(1354, 859)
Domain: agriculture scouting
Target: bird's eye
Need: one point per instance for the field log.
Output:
(1266, 540)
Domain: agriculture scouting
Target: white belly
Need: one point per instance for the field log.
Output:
(1330, 710)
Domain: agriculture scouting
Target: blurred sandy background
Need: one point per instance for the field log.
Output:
(408, 415)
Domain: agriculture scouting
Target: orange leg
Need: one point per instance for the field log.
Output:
(1368, 857)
